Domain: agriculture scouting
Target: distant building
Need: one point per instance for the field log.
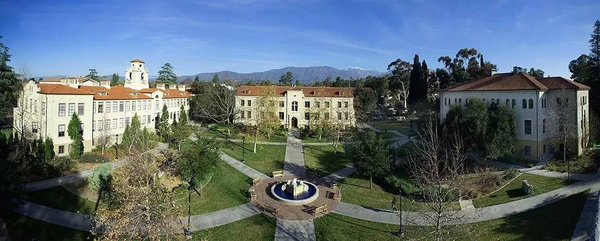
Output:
(531, 98)
(45, 108)
(298, 106)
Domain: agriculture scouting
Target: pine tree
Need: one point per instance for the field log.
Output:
(10, 85)
(163, 128)
(93, 74)
(75, 133)
(183, 118)
(416, 79)
(425, 76)
(48, 149)
(166, 74)
(286, 79)
(215, 79)
(115, 79)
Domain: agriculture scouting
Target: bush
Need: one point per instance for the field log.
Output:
(100, 176)
(510, 173)
(62, 164)
(407, 187)
(91, 157)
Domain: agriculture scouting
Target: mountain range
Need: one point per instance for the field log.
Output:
(302, 74)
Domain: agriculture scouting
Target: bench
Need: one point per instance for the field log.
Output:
(319, 209)
(333, 194)
(256, 181)
(278, 174)
(271, 210)
(334, 185)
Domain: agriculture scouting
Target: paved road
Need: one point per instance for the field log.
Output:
(339, 175)
(295, 230)
(294, 155)
(243, 168)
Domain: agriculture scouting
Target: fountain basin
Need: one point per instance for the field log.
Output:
(288, 198)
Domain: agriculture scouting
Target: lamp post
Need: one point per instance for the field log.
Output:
(117, 146)
(398, 212)
(243, 149)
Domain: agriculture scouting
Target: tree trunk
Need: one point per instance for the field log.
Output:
(320, 135)
(371, 182)
(255, 140)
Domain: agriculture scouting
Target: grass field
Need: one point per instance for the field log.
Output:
(259, 227)
(24, 228)
(401, 126)
(268, 158)
(552, 222)
(513, 192)
(321, 160)
(227, 188)
(61, 198)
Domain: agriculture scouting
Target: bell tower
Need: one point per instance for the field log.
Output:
(136, 75)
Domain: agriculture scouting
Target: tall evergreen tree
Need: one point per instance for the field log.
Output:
(183, 118)
(415, 81)
(93, 74)
(115, 79)
(586, 68)
(48, 149)
(10, 86)
(215, 79)
(372, 157)
(166, 74)
(286, 79)
(163, 127)
(425, 76)
(76, 134)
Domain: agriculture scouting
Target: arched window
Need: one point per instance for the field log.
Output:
(514, 103)
(524, 104)
(130, 74)
(530, 103)
(497, 101)
(507, 102)
(295, 106)
(142, 76)
(460, 100)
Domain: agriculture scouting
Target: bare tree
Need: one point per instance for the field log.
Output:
(435, 166)
(27, 108)
(215, 103)
(562, 121)
(338, 126)
(266, 114)
(140, 206)
(104, 137)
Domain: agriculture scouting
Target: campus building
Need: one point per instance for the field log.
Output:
(535, 101)
(45, 108)
(296, 106)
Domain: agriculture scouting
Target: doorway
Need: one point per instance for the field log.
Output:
(295, 122)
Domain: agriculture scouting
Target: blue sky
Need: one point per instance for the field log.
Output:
(68, 38)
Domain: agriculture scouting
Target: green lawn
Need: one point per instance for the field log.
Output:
(259, 227)
(552, 222)
(25, 228)
(221, 132)
(356, 190)
(513, 192)
(586, 163)
(401, 126)
(268, 158)
(227, 188)
(321, 160)
(61, 198)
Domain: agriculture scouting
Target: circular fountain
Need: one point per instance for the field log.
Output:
(295, 192)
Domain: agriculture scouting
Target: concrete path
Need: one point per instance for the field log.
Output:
(34, 186)
(587, 227)
(365, 125)
(248, 171)
(3, 232)
(55, 216)
(339, 175)
(293, 230)
(537, 170)
(221, 217)
(466, 204)
(294, 155)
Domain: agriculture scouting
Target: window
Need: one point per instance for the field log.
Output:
(128, 105)
(156, 104)
(294, 106)
(61, 149)
(71, 108)
(35, 106)
(61, 109)
(327, 116)
(121, 122)
(115, 108)
(242, 102)
(346, 115)
(446, 101)
(121, 106)
(143, 119)
(318, 104)
(127, 121)
(527, 127)
(514, 103)
(133, 106)
(249, 103)
(80, 109)
(281, 104)
(139, 105)
(530, 103)
(107, 124)
(100, 125)
(507, 102)
(307, 104)
(307, 116)
(249, 114)
(544, 149)
(281, 115)
(524, 104)
(145, 105)
(43, 108)
(148, 117)
(460, 100)
(527, 150)
(108, 107)
(61, 130)
(339, 115)
(345, 104)
(339, 104)
(326, 104)
(242, 115)
(34, 127)
(543, 125)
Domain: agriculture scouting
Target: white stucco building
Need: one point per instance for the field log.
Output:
(297, 106)
(532, 99)
(45, 108)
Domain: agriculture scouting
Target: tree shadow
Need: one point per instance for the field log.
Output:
(514, 193)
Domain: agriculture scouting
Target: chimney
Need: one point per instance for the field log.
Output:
(181, 87)
(160, 86)
(172, 86)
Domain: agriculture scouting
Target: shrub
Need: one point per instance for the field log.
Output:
(62, 164)
(407, 187)
(510, 173)
(100, 176)
(91, 157)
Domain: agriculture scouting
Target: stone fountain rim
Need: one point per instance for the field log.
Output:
(296, 202)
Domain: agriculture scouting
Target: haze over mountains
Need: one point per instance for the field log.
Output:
(303, 74)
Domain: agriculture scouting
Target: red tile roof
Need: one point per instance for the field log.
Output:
(168, 93)
(556, 83)
(505, 81)
(138, 60)
(59, 89)
(308, 91)
(117, 92)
